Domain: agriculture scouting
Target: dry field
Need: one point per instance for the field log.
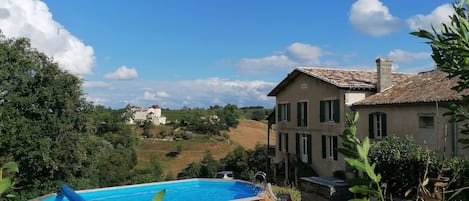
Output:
(247, 134)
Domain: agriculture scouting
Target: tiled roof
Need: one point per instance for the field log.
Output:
(353, 79)
(349, 78)
(428, 86)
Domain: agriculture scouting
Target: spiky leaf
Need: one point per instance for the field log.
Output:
(159, 196)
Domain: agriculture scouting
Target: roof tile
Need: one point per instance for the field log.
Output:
(428, 86)
(350, 78)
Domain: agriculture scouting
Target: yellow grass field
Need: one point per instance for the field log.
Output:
(247, 134)
(250, 132)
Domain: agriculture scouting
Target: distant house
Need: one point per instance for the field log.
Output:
(311, 104)
(140, 114)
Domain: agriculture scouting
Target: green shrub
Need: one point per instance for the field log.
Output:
(179, 148)
(401, 163)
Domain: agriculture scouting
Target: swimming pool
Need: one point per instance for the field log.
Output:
(190, 190)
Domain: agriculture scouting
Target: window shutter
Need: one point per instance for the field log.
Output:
(279, 112)
(298, 150)
(334, 144)
(370, 126)
(286, 142)
(383, 124)
(280, 142)
(336, 111)
(288, 111)
(298, 114)
(321, 111)
(305, 112)
(324, 146)
(309, 150)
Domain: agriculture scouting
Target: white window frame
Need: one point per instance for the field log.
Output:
(304, 148)
(330, 147)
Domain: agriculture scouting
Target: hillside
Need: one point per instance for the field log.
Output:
(247, 134)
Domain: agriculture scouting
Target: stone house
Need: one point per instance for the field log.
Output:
(414, 107)
(311, 104)
(140, 114)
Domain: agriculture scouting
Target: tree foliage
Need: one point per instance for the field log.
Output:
(244, 163)
(211, 121)
(52, 132)
(42, 114)
(450, 51)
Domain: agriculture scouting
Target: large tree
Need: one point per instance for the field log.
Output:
(43, 117)
(450, 51)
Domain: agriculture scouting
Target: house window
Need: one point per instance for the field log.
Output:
(377, 125)
(284, 112)
(283, 142)
(302, 114)
(329, 111)
(303, 147)
(426, 121)
(329, 147)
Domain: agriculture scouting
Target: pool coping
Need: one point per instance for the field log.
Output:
(259, 195)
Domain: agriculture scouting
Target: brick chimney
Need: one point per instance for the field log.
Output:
(384, 67)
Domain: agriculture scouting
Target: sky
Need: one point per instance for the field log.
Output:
(199, 53)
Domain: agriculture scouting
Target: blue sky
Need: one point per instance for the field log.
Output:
(198, 53)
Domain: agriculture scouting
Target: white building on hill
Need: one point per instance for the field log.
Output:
(141, 114)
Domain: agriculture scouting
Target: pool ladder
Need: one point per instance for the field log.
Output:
(264, 178)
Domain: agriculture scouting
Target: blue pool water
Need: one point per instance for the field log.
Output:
(189, 190)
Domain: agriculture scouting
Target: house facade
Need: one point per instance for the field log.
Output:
(311, 104)
(140, 114)
(310, 107)
(415, 108)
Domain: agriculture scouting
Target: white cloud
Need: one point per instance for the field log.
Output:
(203, 93)
(162, 94)
(96, 100)
(304, 54)
(32, 19)
(401, 56)
(297, 54)
(374, 18)
(155, 96)
(123, 73)
(95, 84)
(436, 17)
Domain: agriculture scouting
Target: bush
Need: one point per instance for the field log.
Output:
(258, 115)
(193, 170)
(153, 172)
(401, 163)
(179, 148)
(187, 135)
